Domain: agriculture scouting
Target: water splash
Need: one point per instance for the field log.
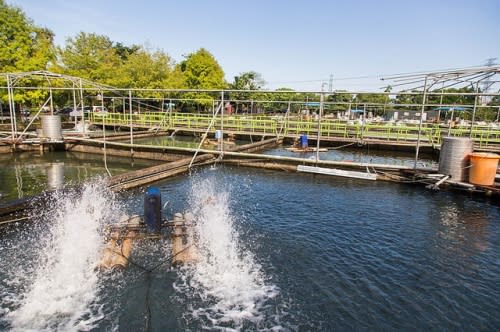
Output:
(63, 293)
(227, 287)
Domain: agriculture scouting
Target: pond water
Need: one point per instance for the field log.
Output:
(185, 142)
(278, 251)
(30, 173)
(361, 155)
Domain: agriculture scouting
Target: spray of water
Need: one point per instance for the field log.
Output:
(226, 288)
(63, 294)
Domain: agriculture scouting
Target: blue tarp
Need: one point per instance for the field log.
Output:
(312, 104)
(357, 111)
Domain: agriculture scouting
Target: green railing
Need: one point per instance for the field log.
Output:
(330, 128)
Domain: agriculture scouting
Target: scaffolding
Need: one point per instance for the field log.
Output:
(419, 93)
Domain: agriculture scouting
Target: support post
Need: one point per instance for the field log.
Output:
(222, 123)
(318, 137)
(104, 133)
(11, 108)
(51, 102)
(83, 107)
(131, 125)
(420, 124)
(74, 103)
(363, 122)
(474, 110)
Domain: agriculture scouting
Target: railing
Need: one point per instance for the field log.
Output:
(330, 128)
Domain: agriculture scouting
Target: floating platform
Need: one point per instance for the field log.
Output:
(311, 149)
(120, 239)
(184, 249)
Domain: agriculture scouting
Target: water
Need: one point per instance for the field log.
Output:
(30, 173)
(361, 155)
(184, 142)
(278, 252)
(53, 285)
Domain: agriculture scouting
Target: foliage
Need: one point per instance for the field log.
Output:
(23, 47)
(247, 81)
(200, 70)
(90, 56)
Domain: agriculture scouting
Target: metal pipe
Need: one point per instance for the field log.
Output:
(131, 126)
(321, 100)
(83, 106)
(104, 133)
(474, 110)
(258, 156)
(420, 123)
(51, 103)
(222, 123)
(205, 135)
(363, 122)
(11, 108)
(74, 102)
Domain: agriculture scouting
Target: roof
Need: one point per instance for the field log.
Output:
(453, 108)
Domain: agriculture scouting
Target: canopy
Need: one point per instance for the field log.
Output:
(453, 108)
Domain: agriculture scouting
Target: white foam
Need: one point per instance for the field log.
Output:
(231, 285)
(65, 286)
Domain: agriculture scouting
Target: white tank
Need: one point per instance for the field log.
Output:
(51, 127)
(454, 157)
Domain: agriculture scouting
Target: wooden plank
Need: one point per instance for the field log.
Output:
(337, 172)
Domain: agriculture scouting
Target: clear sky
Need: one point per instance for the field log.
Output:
(293, 43)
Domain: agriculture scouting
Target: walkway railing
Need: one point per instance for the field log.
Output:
(330, 128)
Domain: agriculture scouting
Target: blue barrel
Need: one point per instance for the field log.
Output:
(152, 209)
(303, 141)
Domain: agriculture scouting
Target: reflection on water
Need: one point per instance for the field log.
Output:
(187, 142)
(466, 229)
(55, 176)
(29, 173)
(279, 252)
(360, 155)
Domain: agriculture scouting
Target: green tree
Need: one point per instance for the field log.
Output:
(125, 51)
(339, 100)
(247, 81)
(201, 70)
(23, 47)
(90, 56)
(143, 69)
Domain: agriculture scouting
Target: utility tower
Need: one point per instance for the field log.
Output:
(330, 84)
(487, 83)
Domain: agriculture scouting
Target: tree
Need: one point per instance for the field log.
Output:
(200, 70)
(340, 99)
(247, 81)
(23, 47)
(125, 51)
(90, 56)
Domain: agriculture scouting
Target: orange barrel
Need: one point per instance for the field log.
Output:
(483, 168)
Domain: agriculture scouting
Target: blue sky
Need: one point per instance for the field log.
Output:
(293, 43)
